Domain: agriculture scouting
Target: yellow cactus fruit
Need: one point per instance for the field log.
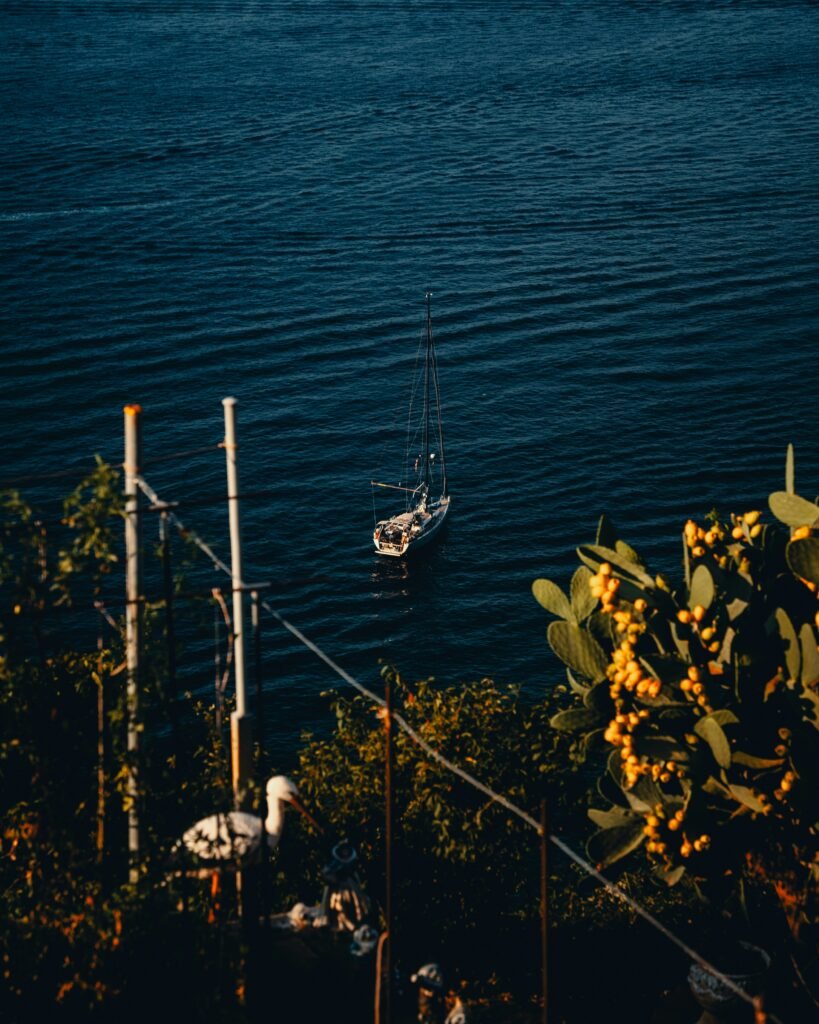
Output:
(707, 633)
(605, 569)
(685, 850)
(756, 530)
(640, 605)
(816, 620)
(674, 824)
(684, 615)
(751, 518)
(654, 688)
(698, 551)
(686, 685)
(698, 614)
(614, 584)
(800, 532)
(693, 673)
(713, 647)
(665, 777)
(737, 533)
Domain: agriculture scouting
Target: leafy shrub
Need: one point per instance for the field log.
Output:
(700, 706)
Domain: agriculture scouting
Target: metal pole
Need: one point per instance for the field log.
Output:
(100, 757)
(544, 908)
(240, 741)
(170, 636)
(760, 1017)
(257, 671)
(388, 767)
(133, 623)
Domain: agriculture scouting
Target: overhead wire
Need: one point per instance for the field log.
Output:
(498, 798)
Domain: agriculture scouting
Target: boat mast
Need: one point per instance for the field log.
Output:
(427, 361)
(439, 414)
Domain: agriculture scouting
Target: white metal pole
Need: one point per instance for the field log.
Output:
(133, 623)
(239, 722)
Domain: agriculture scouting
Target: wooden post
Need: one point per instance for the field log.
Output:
(544, 908)
(388, 771)
(133, 624)
(240, 736)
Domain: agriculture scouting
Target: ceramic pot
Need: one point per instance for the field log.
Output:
(721, 1004)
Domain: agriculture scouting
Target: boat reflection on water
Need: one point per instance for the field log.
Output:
(408, 577)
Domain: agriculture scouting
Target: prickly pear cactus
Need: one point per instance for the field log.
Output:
(701, 703)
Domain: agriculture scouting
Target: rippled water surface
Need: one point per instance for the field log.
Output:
(615, 205)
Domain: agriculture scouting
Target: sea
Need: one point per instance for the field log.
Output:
(614, 204)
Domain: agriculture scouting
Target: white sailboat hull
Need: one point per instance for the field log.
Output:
(403, 535)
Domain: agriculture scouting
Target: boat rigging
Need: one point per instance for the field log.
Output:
(424, 515)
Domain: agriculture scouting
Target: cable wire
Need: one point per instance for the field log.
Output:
(498, 798)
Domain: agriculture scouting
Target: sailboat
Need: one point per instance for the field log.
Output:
(426, 502)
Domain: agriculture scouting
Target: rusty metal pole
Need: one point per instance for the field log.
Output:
(760, 1017)
(544, 908)
(388, 771)
(100, 757)
(170, 635)
(256, 628)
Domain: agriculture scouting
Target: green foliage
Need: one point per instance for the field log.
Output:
(709, 709)
(74, 938)
(578, 649)
(463, 861)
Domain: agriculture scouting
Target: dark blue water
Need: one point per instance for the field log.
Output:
(615, 204)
